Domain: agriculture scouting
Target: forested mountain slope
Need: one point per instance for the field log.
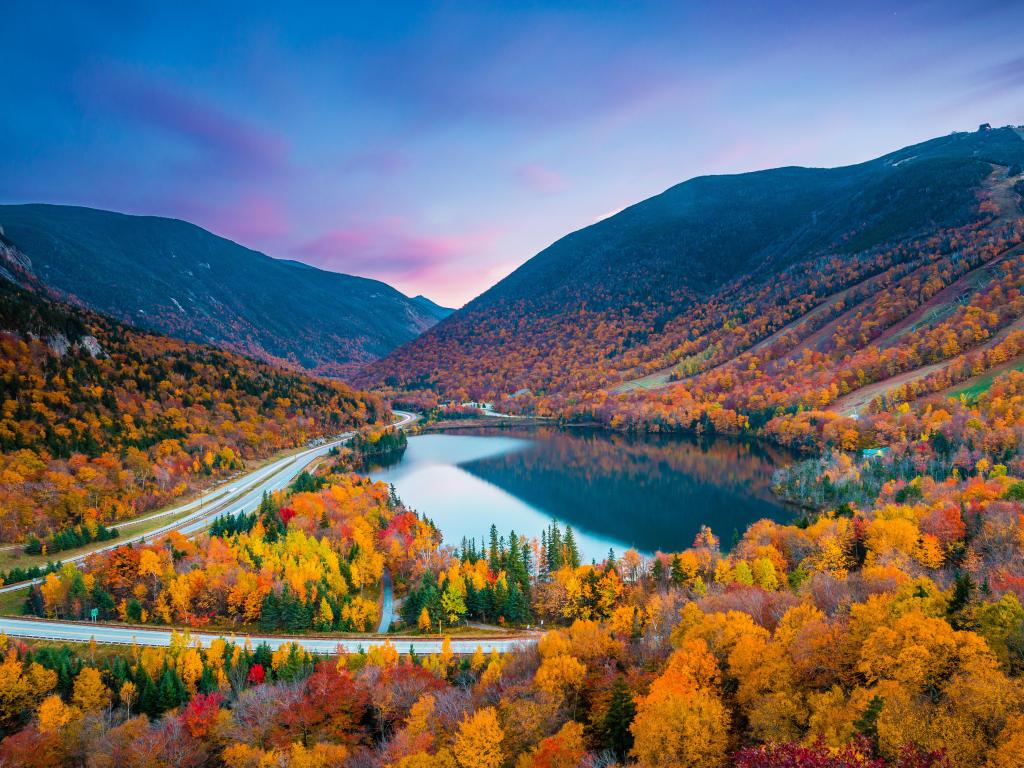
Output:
(100, 421)
(173, 277)
(691, 278)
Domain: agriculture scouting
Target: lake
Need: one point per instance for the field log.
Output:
(650, 492)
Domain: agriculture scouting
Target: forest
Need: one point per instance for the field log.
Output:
(883, 628)
(100, 422)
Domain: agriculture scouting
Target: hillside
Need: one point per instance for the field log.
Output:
(100, 421)
(173, 277)
(685, 281)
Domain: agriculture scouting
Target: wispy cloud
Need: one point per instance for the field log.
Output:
(222, 142)
(388, 249)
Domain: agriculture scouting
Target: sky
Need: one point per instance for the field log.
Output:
(438, 146)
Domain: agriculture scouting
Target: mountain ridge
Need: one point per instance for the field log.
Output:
(661, 281)
(172, 276)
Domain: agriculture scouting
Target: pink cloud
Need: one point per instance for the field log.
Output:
(539, 178)
(444, 267)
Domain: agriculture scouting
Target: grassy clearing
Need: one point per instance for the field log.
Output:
(13, 603)
(974, 388)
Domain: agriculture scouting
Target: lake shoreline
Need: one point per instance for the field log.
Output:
(650, 492)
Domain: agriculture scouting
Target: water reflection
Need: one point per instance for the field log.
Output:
(616, 490)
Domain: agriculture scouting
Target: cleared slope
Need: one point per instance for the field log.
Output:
(630, 294)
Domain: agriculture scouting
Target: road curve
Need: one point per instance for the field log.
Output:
(234, 496)
(81, 632)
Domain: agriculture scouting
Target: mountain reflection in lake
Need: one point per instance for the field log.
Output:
(647, 492)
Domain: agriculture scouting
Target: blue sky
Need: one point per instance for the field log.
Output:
(438, 146)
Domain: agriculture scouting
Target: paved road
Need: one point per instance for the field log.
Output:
(105, 633)
(242, 493)
(234, 496)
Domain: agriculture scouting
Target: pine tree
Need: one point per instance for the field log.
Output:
(867, 723)
(170, 690)
(658, 572)
(555, 560)
(149, 700)
(493, 551)
(677, 575)
(572, 553)
(963, 590)
(515, 610)
(614, 728)
(270, 614)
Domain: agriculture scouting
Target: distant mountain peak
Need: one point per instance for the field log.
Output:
(171, 276)
(433, 307)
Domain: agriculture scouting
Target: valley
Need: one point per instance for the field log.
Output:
(785, 441)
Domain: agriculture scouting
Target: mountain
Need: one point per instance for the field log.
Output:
(429, 306)
(173, 277)
(102, 421)
(689, 279)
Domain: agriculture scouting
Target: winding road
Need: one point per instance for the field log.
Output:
(234, 496)
(237, 495)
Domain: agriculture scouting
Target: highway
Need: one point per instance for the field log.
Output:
(230, 498)
(239, 494)
(81, 632)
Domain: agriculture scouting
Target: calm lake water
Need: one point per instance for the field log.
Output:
(646, 492)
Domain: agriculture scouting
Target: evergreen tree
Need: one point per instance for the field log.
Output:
(614, 728)
(610, 564)
(543, 573)
(572, 553)
(171, 691)
(493, 551)
(270, 615)
(677, 575)
(527, 558)
(867, 723)
(149, 700)
(515, 610)
(956, 611)
(554, 548)
(208, 681)
(658, 572)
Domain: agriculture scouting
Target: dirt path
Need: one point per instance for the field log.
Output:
(660, 378)
(1000, 184)
(853, 403)
(945, 302)
(940, 306)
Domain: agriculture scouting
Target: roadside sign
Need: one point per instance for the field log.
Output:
(94, 613)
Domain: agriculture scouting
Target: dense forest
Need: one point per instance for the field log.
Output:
(99, 422)
(883, 628)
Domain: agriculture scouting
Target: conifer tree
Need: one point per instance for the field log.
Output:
(614, 728)
(572, 553)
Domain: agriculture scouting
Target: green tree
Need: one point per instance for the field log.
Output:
(613, 729)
